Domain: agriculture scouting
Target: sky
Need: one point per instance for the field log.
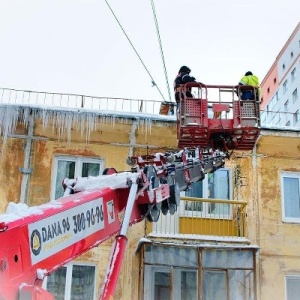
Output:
(78, 47)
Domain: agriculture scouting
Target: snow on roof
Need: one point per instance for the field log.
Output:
(189, 240)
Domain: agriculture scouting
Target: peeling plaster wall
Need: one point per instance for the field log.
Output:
(279, 242)
(112, 140)
(10, 175)
(260, 186)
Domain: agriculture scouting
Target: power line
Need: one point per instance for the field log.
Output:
(160, 47)
(152, 80)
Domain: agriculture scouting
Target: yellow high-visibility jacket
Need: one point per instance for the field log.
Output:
(251, 80)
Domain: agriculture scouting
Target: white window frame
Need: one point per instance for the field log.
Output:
(286, 280)
(205, 212)
(289, 175)
(79, 160)
(69, 274)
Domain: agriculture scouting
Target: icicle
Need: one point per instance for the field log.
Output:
(63, 122)
(8, 120)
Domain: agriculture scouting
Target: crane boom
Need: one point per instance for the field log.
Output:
(46, 237)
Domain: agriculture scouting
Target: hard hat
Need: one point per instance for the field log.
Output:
(248, 73)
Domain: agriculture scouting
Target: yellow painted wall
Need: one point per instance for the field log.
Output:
(202, 226)
(12, 158)
(113, 143)
(279, 242)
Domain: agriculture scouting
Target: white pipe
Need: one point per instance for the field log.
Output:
(128, 209)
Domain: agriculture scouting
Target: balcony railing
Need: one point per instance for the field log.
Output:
(280, 119)
(205, 217)
(33, 98)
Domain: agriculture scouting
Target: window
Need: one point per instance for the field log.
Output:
(295, 95)
(283, 67)
(274, 80)
(296, 116)
(293, 74)
(286, 105)
(268, 90)
(72, 282)
(215, 185)
(288, 123)
(285, 86)
(225, 274)
(72, 167)
(271, 102)
(277, 117)
(184, 282)
(158, 279)
(292, 54)
(292, 285)
(290, 195)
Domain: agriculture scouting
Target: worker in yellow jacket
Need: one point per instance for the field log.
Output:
(250, 79)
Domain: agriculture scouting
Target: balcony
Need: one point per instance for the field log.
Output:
(204, 218)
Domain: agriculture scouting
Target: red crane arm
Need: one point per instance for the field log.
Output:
(53, 234)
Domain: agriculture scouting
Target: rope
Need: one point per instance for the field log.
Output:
(160, 47)
(152, 80)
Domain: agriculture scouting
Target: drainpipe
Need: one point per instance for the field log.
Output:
(132, 137)
(26, 170)
(256, 196)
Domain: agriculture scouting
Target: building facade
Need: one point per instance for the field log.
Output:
(281, 87)
(235, 235)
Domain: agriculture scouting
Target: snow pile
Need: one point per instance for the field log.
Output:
(113, 181)
(16, 211)
(41, 273)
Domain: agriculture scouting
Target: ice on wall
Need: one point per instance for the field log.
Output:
(64, 120)
(8, 120)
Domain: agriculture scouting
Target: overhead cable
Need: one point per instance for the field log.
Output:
(160, 47)
(152, 80)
